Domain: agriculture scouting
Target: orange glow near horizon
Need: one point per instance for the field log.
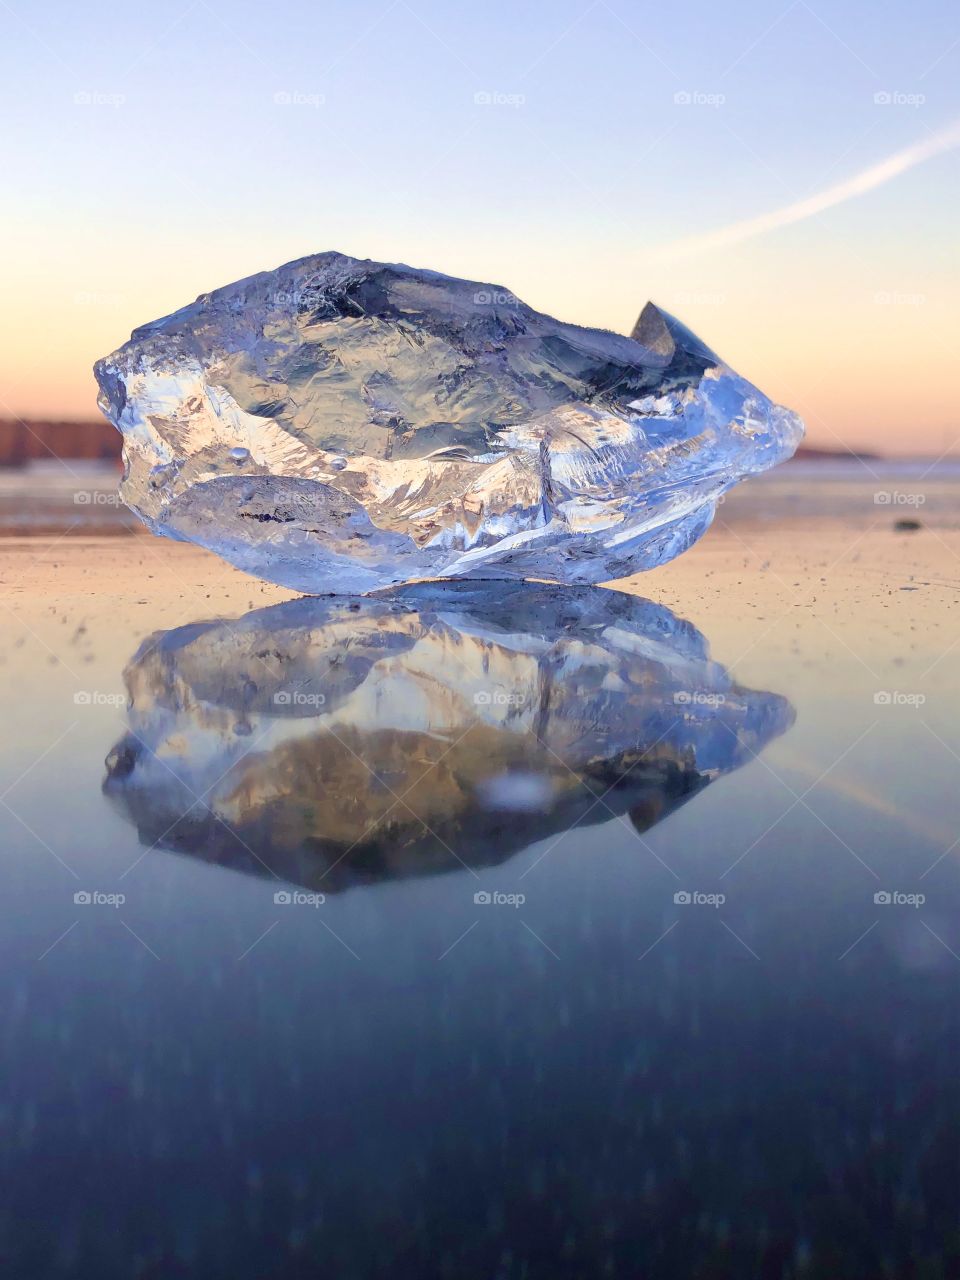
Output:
(870, 371)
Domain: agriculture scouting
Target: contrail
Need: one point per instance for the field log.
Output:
(858, 185)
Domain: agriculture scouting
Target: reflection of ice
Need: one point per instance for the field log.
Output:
(341, 741)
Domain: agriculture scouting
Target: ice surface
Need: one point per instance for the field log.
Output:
(344, 425)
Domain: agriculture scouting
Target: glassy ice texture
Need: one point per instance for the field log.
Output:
(340, 742)
(344, 425)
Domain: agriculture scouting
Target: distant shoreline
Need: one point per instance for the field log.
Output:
(811, 453)
(23, 440)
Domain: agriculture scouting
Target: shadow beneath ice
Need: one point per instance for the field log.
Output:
(335, 742)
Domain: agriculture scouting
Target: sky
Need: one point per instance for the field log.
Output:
(784, 177)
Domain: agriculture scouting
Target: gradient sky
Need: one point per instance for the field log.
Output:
(153, 152)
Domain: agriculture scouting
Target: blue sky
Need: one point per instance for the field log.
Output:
(152, 153)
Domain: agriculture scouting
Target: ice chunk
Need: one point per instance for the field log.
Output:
(342, 425)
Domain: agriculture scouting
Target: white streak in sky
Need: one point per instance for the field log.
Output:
(946, 140)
